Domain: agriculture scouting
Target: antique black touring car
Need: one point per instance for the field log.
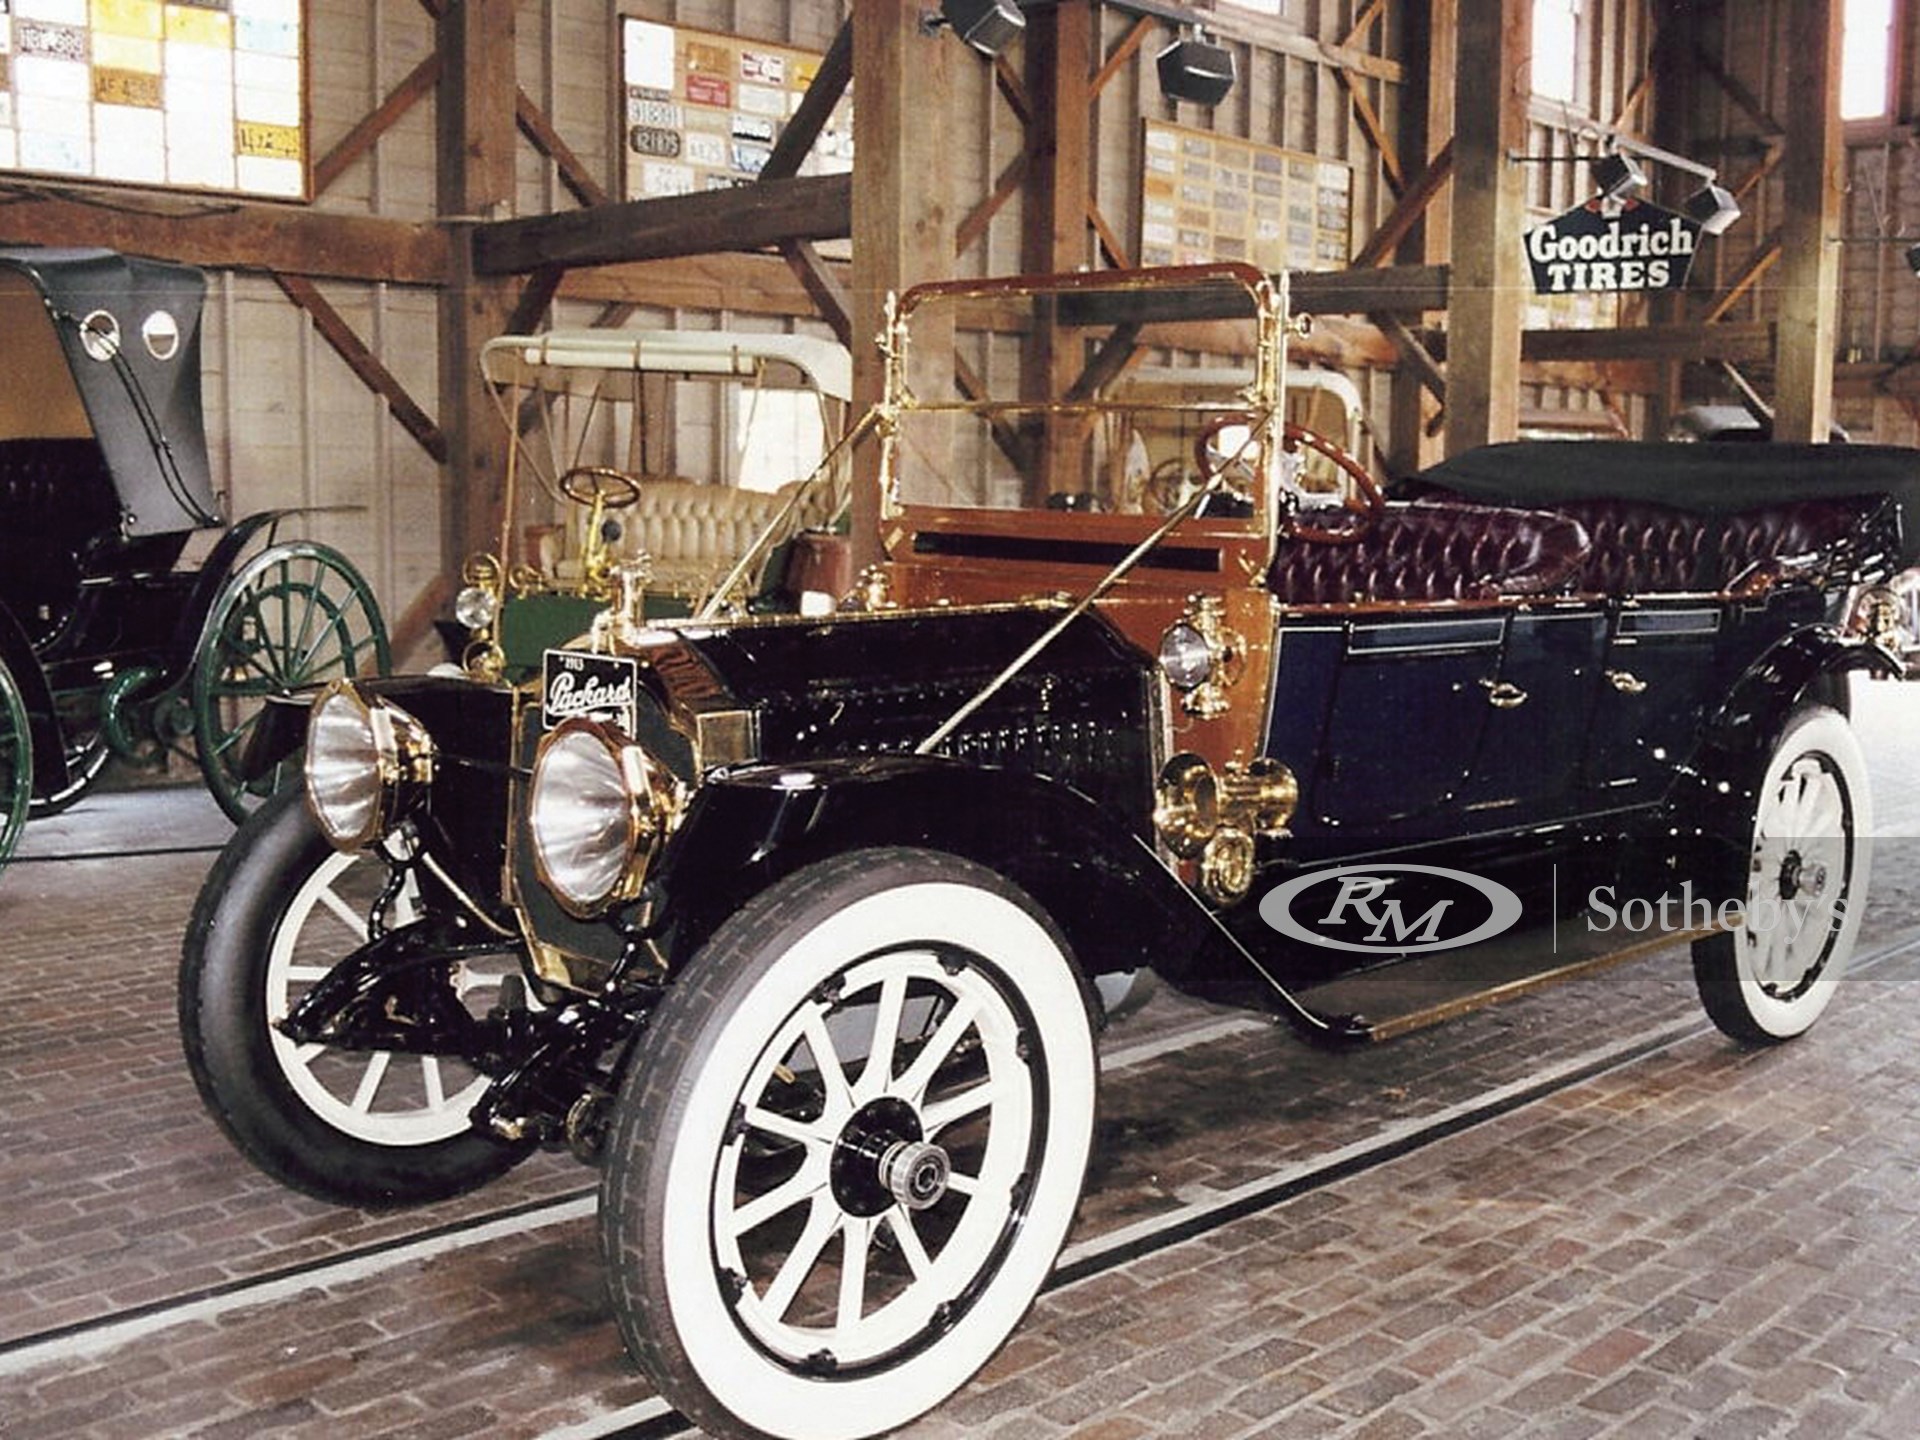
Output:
(107, 643)
(800, 927)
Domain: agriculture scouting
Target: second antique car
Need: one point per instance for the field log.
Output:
(798, 926)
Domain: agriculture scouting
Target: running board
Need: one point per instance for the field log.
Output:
(1429, 989)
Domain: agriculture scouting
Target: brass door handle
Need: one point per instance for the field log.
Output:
(1626, 682)
(1502, 695)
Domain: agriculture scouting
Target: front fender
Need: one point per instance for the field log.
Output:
(1102, 884)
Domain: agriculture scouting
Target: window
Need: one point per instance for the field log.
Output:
(1866, 61)
(199, 93)
(1556, 49)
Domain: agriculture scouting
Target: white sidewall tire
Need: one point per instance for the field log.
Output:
(756, 1389)
(1737, 998)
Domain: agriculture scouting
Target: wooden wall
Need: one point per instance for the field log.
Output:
(290, 422)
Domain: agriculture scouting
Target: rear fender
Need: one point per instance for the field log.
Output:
(1119, 907)
(1710, 812)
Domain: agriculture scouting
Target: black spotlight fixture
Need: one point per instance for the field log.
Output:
(1195, 69)
(1713, 206)
(989, 26)
(1913, 258)
(1617, 175)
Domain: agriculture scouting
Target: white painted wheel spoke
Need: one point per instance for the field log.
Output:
(430, 1079)
(807, 1182)
(912, 1085)
(1823, 811)
(308, 974)
(938, 1115)
(833, 1076)
(912, 1249)
(347, 914)
(963, 1184)
(822, 1222)
(370, 1081)
(785, 1127)
(856, 1242)
(878, 1071)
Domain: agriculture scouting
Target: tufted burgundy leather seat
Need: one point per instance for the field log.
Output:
(1636, 547)
(1424, 551)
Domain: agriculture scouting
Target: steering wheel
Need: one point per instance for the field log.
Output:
(1364, 499)
(600, 485)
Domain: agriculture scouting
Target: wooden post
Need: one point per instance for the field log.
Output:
(903, 220)
(475, 108)
(1487, 307)
(1429, 116)
(1672, 78)
(1811, 180)
(1059, 78)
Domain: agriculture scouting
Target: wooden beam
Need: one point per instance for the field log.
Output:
(228, 235)
(1110, 243)
(1398, 289)
(417, 84)
(902, 223)
(1682, 342)
(1756, 265)
(1122, 53)
(1407, 214)
(573, 173)
(829, 83)
(1362, 103)
(1738, 93)
(335, 330)
(535, 298)
(974, 226)
(1812, 200)
(1417, 230)
(1493, 87)
(752, 284)
(822, 285)
(475, 177)
(750, 217)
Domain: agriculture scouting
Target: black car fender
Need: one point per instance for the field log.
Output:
(746, 828)
(1710, 811)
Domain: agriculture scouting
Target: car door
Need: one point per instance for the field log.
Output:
(1406, 713)
(1654, 676)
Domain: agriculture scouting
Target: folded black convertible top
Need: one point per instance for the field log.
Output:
(1709, 478)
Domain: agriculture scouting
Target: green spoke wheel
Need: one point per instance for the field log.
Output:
(16, 764)
(291, 619)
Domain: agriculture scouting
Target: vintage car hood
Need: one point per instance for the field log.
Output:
(867, 683)
(1706, 478)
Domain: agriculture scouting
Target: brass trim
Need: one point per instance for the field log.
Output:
(726, 737)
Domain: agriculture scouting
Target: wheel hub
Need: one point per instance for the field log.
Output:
(1799, 876)
(883, 1159)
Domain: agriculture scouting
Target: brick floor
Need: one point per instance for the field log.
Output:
(1705, 1241)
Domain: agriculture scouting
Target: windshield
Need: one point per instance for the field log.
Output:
(1071, 393)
